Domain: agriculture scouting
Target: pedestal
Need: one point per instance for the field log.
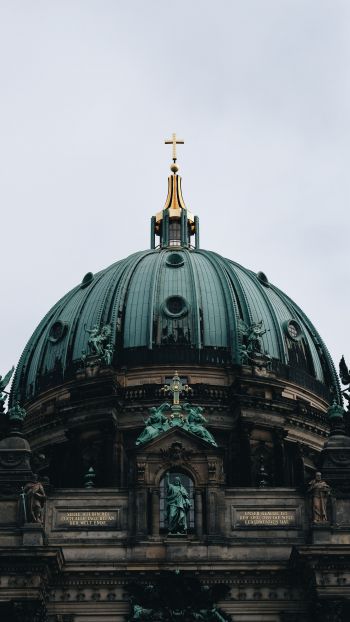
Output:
(33, 534)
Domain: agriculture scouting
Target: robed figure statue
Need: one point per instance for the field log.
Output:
(177, 506)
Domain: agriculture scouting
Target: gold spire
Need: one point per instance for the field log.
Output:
(174, 204)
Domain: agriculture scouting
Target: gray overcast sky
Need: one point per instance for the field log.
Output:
(89, 90)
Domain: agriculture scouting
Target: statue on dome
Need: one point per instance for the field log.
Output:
(196, 422)
(177, 506)
(252, 352)
(344, 374)
(3, 384)
(100, 345)
(156, 423)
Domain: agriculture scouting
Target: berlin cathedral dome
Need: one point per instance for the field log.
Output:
(177, 305)
(175, 448)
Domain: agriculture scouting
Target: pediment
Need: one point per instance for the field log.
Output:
(177, 435)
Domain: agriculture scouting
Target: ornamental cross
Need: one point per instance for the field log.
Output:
(176, 388)
(174, 141)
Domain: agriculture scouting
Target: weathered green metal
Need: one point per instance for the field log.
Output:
(184, 416)
(131, 296)
(16, 414)
(3, 384)
(253, 350)
(177, 506)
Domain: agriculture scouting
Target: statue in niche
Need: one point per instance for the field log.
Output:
(253, 351)
(177, 506)
(195, 421)
(34, 501)
(319, 491)
(155, 424)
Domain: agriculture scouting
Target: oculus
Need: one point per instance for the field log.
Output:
(175, 306)
(263, 278)
(57, 331)
(174, 260)
(293, 330)
(87, 279)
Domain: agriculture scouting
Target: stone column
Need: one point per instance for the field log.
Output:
(198, 512)
(155, 512)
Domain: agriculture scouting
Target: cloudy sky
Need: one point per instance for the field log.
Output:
(258, 89)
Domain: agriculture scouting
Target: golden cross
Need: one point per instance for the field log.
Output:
(174, 141)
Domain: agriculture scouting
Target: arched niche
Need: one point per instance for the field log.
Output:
(188, 483)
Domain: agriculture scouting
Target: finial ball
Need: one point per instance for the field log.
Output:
(174, 168)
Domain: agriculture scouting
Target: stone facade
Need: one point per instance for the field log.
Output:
(251, 529)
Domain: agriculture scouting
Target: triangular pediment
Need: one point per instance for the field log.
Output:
(176, 435)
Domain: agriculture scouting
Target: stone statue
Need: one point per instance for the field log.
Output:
(16, 413)
(35, 500)
(3, 384)
(319, 492)
(155, 424)
(177, 506)
(195, 421)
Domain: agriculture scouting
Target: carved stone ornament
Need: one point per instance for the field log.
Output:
(176, 454)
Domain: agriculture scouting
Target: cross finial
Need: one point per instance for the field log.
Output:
(174, 141)
(176, 388)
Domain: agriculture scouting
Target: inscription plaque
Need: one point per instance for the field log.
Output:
(87, 518)
(264, 518)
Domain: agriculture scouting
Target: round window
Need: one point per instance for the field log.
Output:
(175, 260)
(88, 278)
(263, 278)
(57, 331)
(293, 330)
(175, 306)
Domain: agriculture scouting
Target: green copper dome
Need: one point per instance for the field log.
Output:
(173, 306)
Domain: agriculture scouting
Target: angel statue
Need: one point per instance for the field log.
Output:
(99, 339)
(155, 424)
(253, 351)
(196, 423)
(3, 384)
(344, 374)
